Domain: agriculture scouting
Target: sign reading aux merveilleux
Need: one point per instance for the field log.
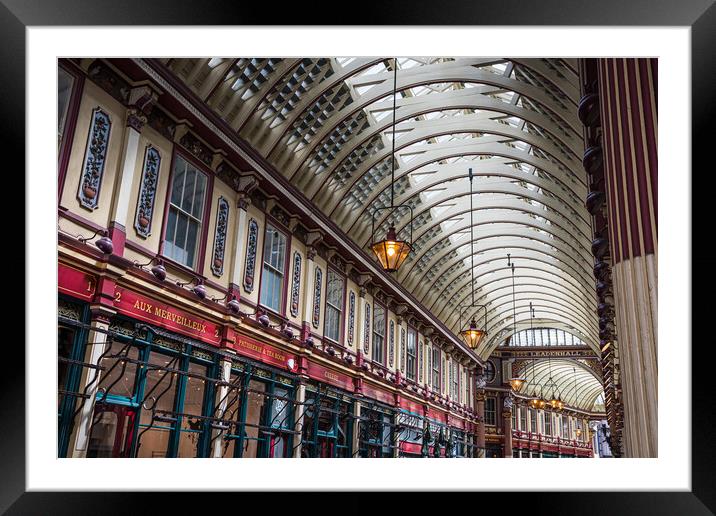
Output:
(152, 311)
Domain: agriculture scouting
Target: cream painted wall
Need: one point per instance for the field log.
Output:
(93, 97)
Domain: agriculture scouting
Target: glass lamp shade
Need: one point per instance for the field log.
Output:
(556, 403)
(534, 403)
(516, 383)
(541, 403)
(473, 335)
(391, 252)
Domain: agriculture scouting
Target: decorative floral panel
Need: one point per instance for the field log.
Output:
(351, 316)
(296, 283)
(222, 223)
(147, 192)
(402, 349)
(250, 266)
(366, 334)
(95, 157)
(391, 344)
(317, 298)
(421, 358)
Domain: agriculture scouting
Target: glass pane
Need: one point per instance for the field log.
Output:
(280, 409)
(180, 254)
(154, 443)
(171, 229)
(256, 402)
(334, 289)
(104, 431)
(191, 427)
(188, 195)
(178, 180)
(332, 323)
(379, 319)
(119, 374)
(158, 381)
(191, 242)
(198, 201)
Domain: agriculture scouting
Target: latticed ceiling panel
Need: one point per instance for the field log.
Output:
(327, 125)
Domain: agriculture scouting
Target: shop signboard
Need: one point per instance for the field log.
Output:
(146, 309)
(75, 282)
(329, 376)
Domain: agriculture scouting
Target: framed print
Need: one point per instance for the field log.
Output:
(485, 180)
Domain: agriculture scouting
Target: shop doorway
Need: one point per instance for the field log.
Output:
(112, 431)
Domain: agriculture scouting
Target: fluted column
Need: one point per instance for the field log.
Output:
(628, 110)
(96, 345)
(221, 401)
(299, 419)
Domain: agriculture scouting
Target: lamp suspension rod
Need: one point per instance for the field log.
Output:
(472, 243)
(392, 161)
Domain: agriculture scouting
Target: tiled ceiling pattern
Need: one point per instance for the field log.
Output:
(326, 124)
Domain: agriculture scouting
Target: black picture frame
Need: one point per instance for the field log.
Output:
(699, 15)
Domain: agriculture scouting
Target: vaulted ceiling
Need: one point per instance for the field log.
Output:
(326, 125)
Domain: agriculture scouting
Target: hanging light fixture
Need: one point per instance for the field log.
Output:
(391, 251)
(555, 400)
(516, 382)
(472, 334)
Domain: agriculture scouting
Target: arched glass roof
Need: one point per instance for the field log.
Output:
(576, 384)
(326, 125)
(543, 337)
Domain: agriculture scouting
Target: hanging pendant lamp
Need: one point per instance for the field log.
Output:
(472, 334)
(555, 400)
(391, 251)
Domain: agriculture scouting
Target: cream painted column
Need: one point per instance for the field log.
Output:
(356, 429)
(361, 348)
(222, 401)
(309, 277)
(246, 184)
(298, 419)
(141, 101)
(96, 345)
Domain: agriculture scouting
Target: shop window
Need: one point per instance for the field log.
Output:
(327, 425)
(71, 346)
(375, 432)
(157, 417)
(192, 424)
(455, 380)
(548, 424)
(490, 411)
(379, 324)
(255, 406)
(335, 290)
(514, 418)
(274, 266)
(523, 419)
(411, 354)
(186, 211)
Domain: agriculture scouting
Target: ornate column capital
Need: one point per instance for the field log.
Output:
(140, 102)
